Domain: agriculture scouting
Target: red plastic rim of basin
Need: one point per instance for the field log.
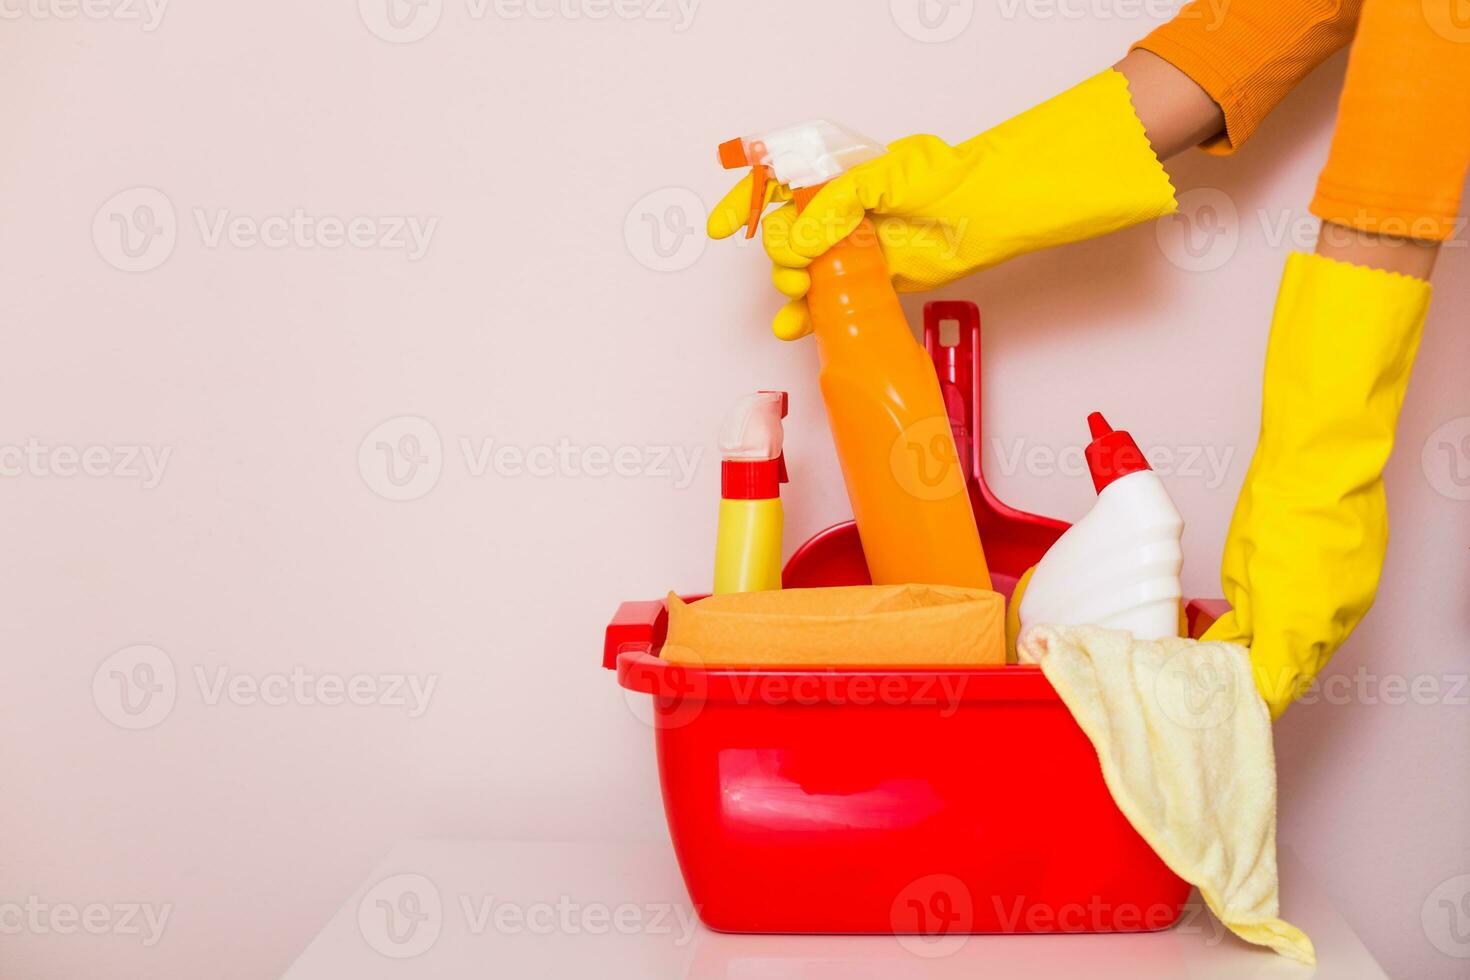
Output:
(639, 670)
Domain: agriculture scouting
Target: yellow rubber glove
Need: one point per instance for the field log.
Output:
(1074, 167)
(1306, 544)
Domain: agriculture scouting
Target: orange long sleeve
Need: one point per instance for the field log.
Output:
(1247, 54)
(1402, 144)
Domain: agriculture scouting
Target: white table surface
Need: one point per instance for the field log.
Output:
(482, 910)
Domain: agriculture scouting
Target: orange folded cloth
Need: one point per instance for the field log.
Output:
(856, 626)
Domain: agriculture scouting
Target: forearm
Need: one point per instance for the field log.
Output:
(1248, 54)
(1177, 113)
(1391, 253)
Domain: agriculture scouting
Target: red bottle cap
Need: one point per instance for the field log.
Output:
(755, 479)
(752, 479)
(1112, 454)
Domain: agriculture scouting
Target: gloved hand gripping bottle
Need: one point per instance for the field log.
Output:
(884, 404)
(752, 469)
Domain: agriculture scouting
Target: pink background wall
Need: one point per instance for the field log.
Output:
(535, 155)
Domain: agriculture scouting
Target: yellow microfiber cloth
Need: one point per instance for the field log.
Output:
(1184, 740)
(854, 626)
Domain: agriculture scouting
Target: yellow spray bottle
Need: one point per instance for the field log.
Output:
(752, 469)
(887, 414)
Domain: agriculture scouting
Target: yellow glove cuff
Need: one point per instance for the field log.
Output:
(1074, 167)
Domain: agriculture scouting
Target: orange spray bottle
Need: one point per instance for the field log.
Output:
(884, 405)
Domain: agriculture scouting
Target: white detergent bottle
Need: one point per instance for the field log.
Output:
(1119, 566)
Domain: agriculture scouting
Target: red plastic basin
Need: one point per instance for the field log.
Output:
(888, 801)
(928, 802)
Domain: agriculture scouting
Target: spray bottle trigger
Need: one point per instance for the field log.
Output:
(758, 178)
(784, 477)
(734, 154)
(785, 399)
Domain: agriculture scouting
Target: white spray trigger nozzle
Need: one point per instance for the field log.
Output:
(810, 153)
(753, 428)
